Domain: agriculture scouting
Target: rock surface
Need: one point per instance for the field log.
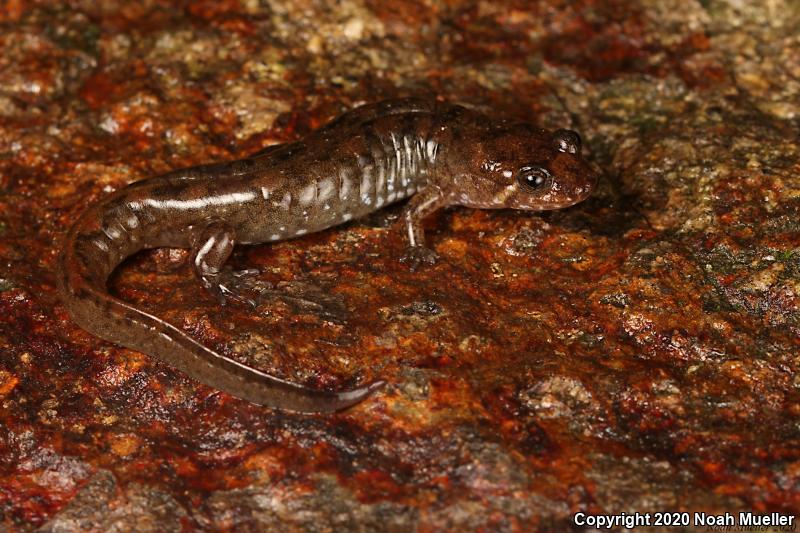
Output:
(638, 352)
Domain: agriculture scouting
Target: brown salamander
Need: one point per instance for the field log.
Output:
(436, 153)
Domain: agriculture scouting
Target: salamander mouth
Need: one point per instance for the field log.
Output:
(579, 195)
(561, 205)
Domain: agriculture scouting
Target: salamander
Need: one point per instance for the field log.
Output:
(438, 154)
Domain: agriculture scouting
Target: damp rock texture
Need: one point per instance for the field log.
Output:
(637, 352)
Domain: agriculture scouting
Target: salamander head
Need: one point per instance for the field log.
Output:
(518, 166)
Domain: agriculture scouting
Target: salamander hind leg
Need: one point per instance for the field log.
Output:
(212, 248)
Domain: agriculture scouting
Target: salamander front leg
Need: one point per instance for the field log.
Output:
(212, 248)
(421, 205)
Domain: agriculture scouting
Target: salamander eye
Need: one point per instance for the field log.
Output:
(567, 141)
(534, 178)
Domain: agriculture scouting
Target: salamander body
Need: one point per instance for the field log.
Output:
(436, 153)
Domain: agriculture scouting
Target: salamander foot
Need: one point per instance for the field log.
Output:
(418, 256)
(227, 286)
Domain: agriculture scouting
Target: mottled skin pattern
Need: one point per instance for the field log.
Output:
(439, 154)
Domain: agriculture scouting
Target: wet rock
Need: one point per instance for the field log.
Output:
(635, 352)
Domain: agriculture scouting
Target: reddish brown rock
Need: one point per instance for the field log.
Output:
(638, 352)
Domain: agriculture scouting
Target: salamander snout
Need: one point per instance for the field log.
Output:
(554, 176)
(573, 180)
